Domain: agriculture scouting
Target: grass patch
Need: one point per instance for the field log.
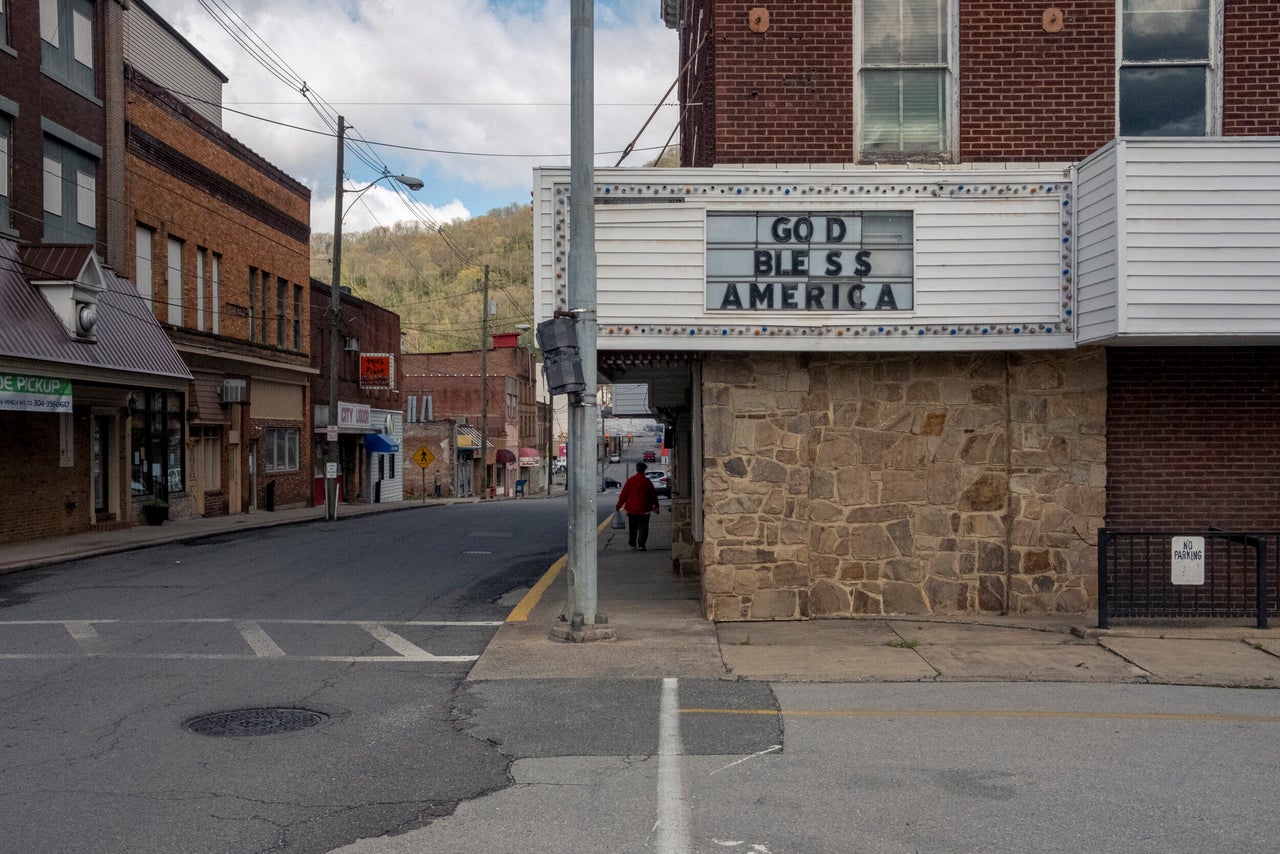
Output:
(902, 644)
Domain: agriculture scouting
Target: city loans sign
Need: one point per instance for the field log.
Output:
(827, 262)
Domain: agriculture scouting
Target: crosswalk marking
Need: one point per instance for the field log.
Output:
(259, 641)
(93, 644)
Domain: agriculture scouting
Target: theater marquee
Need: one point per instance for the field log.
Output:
(817, 262)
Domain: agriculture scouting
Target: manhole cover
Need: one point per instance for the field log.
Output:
(255, 722)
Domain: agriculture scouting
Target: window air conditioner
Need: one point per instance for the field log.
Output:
(234, 391)
(352, 345)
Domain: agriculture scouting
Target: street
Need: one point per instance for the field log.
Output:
(362, 635)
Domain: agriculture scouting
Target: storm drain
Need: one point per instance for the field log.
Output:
(255, 722)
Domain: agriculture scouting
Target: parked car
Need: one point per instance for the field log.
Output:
(650, 457)
(610, 483)
(615, 458)
(661, 482)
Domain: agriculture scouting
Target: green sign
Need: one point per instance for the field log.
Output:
(27, 393)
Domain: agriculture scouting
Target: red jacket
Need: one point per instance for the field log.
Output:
(638, 496)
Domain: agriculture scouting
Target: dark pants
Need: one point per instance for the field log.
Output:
(637, 530)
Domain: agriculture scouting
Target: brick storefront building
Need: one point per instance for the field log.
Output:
(370, 375)
(968, 282)
(446, 388)
(218, 244)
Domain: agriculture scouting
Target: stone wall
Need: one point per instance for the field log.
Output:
(933, 483)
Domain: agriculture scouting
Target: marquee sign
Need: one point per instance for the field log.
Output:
(850, 261)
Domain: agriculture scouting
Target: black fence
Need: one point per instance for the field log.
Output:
(1232, 576)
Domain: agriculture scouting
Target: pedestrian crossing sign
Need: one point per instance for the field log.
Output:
(423, 457)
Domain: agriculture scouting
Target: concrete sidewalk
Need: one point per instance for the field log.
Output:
(662, 632)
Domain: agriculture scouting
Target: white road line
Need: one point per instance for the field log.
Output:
(672, 827)
(261, 622)
(84, 634)
(258, 640)
(397, 643)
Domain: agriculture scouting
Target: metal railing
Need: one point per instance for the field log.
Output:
(1136, 576)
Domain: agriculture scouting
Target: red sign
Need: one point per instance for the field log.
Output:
(376, 370)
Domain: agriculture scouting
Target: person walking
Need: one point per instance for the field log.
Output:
(638, 498)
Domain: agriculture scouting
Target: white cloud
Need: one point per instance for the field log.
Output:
(456, 75)
(377, 207)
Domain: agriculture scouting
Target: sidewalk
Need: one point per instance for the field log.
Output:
(661, 630)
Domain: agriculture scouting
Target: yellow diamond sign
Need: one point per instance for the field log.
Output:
(423, 457)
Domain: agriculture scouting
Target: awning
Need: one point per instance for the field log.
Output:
(469, 439)
(503, 456)
(529, 457)
(380, 443)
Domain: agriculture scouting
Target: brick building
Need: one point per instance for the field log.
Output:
(370, 375)
(217, 240)
(80, 366)
(446, 387)
(967, 283)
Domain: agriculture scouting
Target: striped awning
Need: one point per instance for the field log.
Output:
(468, 438)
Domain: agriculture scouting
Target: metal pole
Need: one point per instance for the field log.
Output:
(484, 390)
(335, 310)
(582, 602)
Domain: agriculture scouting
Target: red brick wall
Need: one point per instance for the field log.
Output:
(784, 95)
(1193, 438)
(39, 498)
(1251, 73)
(1026, 94)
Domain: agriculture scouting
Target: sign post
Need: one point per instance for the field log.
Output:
(423, 457)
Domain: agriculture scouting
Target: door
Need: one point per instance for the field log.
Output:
(100, 448)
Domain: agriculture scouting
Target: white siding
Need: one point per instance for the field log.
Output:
(1180, 241)
(1096, 247)
(169, 60)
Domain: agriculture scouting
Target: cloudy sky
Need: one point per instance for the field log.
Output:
(483, 85)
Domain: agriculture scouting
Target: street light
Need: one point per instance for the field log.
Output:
(335, 310)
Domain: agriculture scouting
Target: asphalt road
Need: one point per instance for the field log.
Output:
(371, 622)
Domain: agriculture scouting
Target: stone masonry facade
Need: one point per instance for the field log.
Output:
(921, 483)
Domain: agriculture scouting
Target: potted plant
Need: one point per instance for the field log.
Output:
(155, 511)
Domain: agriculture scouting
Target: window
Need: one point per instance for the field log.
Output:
(253, 305)
(174, 280)
(67, 42)
(907, 68)
(156, 447)
(265, 290)
(70, 194)
(282, 293)
(201, 255)
(5, 130)
(1166, 80)
(297, 317)
(217, 294)
(282, 449)
(4, 23)
(143, 270)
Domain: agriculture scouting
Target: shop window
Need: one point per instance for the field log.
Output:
(281, 449)
(70, 194)
(1167, 81)
(906, 75)
(67, 43)
(207, 442)
(156, 447)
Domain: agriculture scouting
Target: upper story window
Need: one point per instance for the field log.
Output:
(5, 169)
(67, 42)
(906, 77)
(4, 22)
(70, 194)
(1166, 80)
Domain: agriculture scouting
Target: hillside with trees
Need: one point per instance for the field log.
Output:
(434, 278)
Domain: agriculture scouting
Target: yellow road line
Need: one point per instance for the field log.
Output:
(975, 713)
(520, 613)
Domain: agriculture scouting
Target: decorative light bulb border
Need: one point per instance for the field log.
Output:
(871, 329)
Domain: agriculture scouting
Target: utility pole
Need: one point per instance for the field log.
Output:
(335, 310)
(585, 621)
(484, 390)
